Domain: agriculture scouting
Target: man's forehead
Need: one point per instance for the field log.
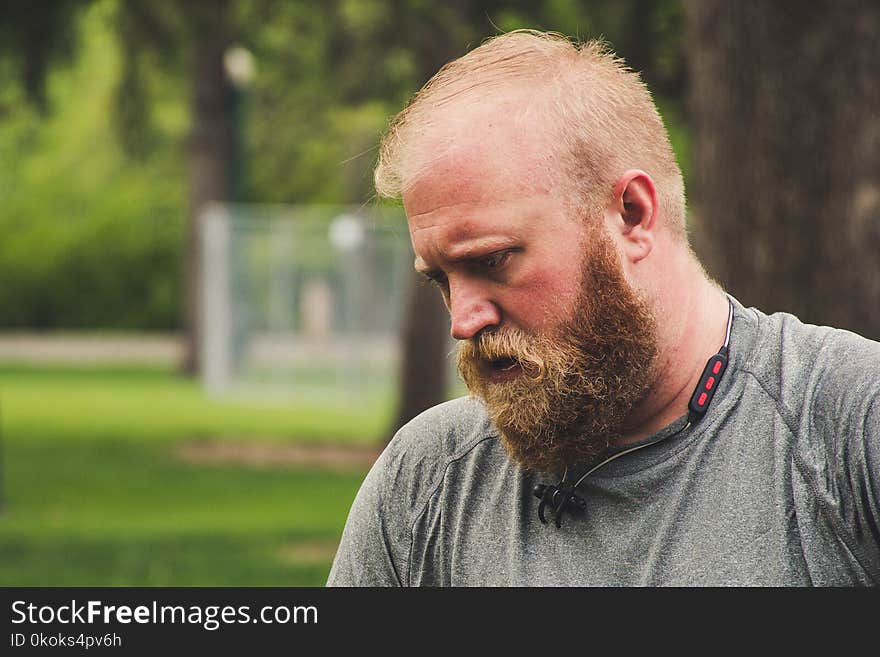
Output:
(479, 160)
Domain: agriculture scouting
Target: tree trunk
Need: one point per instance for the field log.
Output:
(424, 342)
(425, 338)
(785, 188)
(209, 144)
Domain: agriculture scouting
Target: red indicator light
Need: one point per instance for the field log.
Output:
(701, 400)
(710, 382)
(716, 367)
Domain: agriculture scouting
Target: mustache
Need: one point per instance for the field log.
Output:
(510, 344)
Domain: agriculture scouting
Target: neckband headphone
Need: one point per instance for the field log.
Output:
(562, 496)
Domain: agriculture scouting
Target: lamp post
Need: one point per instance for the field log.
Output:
(240, 68)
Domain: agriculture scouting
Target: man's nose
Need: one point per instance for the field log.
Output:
(471, 311)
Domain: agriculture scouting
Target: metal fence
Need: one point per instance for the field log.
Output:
(303, 300)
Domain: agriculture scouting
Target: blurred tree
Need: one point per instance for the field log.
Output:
(90, 237)
(195, 36)
(423, 380)
(192, 36)
(786, 184)
(37, 35)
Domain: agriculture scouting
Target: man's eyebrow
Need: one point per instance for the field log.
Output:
(479, 247)
(473, 250)
(468, 251)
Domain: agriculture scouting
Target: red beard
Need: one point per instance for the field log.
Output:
(560, 398)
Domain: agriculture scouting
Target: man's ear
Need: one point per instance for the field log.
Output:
(634, 213)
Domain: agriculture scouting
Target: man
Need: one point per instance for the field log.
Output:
(629, 423)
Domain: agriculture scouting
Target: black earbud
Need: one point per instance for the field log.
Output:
(558, 498)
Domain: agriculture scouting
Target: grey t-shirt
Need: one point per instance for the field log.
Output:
(778, 485)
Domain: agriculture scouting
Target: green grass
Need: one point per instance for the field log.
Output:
(95, 494)
(72, 404)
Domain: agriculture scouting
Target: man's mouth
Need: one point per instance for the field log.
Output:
(502, 369)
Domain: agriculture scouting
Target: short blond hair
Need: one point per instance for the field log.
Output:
(597, 114)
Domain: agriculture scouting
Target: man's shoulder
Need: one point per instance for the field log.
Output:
(788, 341)
(378, 535)
(807, 366)
(826, 383)
(414, 465)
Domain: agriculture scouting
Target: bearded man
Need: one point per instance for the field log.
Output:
(629, 423)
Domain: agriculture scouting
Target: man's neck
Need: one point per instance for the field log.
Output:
(691, 328)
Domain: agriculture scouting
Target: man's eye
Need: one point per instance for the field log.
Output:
(494, 260)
